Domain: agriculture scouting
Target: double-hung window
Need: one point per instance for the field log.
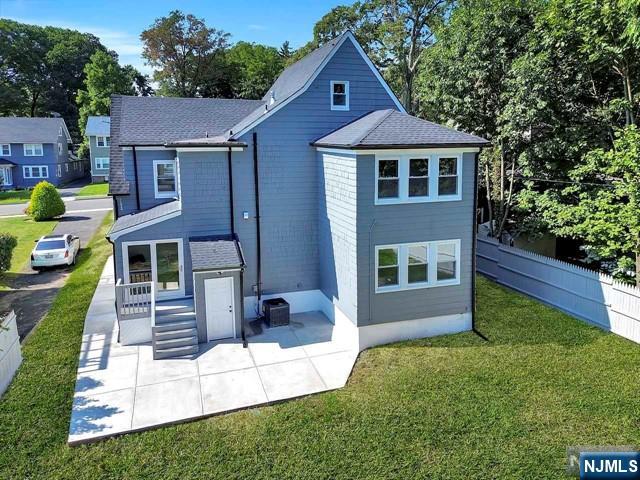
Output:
(5, 149)
(414, 178)
(35, 171)
(165, 178)
(32, 149)
(102, 163)
(408, 266)
(339, 95)
(103, 141)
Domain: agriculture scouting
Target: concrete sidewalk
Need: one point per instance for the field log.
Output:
(122, 389)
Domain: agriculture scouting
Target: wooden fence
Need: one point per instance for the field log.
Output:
(590, 296)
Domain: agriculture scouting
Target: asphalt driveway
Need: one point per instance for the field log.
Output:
(33, 293)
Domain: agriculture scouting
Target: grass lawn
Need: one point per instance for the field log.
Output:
(26, 231)
(454, 407)
(94, 189)
(14, 196)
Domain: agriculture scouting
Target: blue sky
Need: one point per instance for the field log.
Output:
(118, 23)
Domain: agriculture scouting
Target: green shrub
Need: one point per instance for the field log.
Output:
(7, 243)
(45, 202)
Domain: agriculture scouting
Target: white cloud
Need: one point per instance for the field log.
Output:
(254, 26)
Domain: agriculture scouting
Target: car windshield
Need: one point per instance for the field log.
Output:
(51, 245)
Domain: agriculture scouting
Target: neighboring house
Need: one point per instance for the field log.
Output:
(325, 192)
(98, 130)
(36, 149)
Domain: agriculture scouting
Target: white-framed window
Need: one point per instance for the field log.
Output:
(103, 141)
(102, 163)
(339, 95)
(59, 170)
(408, 266)
(59, 148)
(5, 149)
(66, 167)
(165, 181)
(32, 149)
(35, 171)
(420, 177)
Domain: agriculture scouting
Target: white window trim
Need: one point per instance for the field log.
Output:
(2, 149)
(432, 266)
(30, 169)
(6, 176)
(59, 170)
(403, 173)
(345, 107)
(99, 161)
(101, 141)
(158, 194)
(33, 149)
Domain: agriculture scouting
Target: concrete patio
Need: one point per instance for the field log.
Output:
(121, 389)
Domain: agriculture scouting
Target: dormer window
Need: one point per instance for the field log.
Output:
(339, 95)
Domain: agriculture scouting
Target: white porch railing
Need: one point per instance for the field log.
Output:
(136, 311)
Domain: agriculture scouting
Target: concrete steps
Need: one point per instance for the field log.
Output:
(175, 333)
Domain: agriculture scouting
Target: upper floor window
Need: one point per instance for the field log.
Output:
(59, 148)
(165, 179)
(408, 266)
(103, 141)
(5, 149)
(411, 178)
(32, 149)
(102, 163)
(35, 171)
(339, 95)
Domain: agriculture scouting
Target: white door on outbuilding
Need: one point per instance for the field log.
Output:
(219, 302)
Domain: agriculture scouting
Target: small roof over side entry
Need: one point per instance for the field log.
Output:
(215, 252)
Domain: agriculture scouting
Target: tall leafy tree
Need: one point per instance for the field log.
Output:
(394, 33)
(257, 67)
(185, 53)
(602, 207)
(103, 77)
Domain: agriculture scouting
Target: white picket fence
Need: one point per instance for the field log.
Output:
(590, 296)
(10, 353)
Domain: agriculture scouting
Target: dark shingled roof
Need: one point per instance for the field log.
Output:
(393, 129)
(31, 130)
(4, 161)
(159, 120)
(215, 252)
(140, 218)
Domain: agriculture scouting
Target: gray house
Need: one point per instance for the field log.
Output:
(98, 131)
(36, 149)
(325, 192)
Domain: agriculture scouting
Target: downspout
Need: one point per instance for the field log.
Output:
(257, 198)
(135, 176)
(115, 208)
(243, 266)
(474, 248)
(231, 213)
(115, 301)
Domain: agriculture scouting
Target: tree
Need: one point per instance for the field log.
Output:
(285, 51)
(394, 33)
(602, 208)
(45, 202)
(257, 67)
(41, 70)
(140, 82)
(104, 77)
(185, 52)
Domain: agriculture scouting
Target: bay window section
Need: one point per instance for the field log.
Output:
(411, 266)
(415, 178)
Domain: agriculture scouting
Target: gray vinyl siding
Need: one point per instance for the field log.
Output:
(405, 223)
(289, 175)
(337, 237)
(97, 152)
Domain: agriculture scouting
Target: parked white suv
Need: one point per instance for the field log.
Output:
(53, 250)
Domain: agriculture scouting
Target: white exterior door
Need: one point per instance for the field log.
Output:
(6, 177)
(218, 296)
